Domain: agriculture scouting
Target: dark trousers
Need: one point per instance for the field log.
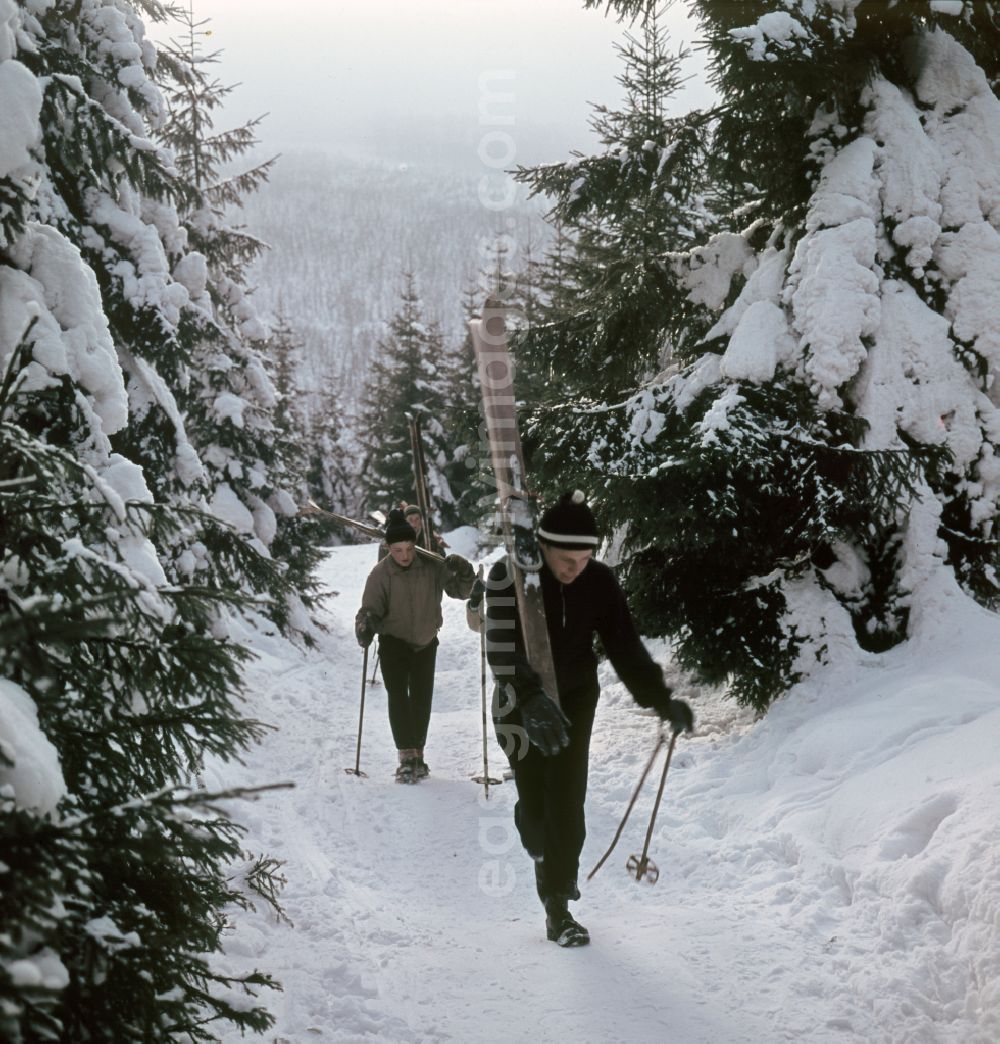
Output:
(550, 796)
(409, 680)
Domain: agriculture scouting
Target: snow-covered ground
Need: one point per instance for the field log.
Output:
(831, 873)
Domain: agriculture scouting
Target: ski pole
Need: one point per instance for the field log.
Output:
(356, 771)
(628, 810)
(643, 866)
(375, 667)
(485, 778)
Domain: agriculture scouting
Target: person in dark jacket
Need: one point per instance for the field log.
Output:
(402, 604)
(548, 743)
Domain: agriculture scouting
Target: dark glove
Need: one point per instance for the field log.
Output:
(476, 595)
(544, 723)
(677, 712)
(460, 568)
(460, 575)
(363, 629)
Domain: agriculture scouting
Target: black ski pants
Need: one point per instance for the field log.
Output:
(408, 674)
(550, 796)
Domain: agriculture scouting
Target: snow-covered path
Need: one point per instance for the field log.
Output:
(774, 919)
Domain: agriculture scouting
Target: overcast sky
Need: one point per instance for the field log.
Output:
(339, 72)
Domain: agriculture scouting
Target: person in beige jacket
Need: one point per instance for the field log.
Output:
(402, 605)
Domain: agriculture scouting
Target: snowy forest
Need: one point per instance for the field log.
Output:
(763, 337)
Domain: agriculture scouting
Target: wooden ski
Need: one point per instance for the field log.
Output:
(516, 506)
(420, 480)
(313, 508)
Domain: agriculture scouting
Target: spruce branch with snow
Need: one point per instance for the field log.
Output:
(310, 449)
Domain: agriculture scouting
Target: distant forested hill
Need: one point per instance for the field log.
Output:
(343, 230)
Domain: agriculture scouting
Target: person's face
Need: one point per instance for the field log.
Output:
(403, 553)
(565, 565)
(416, 521)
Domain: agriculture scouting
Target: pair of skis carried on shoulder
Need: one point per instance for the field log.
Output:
(426, 535)
(312, 508)
(516, 507)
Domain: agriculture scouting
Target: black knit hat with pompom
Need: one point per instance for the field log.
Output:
(569, 524)
(397, 529)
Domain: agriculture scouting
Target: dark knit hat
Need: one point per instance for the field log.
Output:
(569, 524)
(397, 529)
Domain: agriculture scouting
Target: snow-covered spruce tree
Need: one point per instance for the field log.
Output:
(406, 377)
(284, 357)
(112, 885)
(825, 466)
(623, 209)
(329, 476)
(113, 880)
(229, 400)
(301, 445)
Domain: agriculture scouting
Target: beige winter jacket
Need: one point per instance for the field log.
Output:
(406, 603)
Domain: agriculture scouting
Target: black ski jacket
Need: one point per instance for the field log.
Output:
(593, 604)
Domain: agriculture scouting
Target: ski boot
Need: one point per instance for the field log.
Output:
(406, 773)
(406, 770)
(422, 769)
(561, 928)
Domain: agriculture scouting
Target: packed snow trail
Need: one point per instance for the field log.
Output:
(801, 897)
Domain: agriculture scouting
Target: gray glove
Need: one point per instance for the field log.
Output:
(363, 629)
